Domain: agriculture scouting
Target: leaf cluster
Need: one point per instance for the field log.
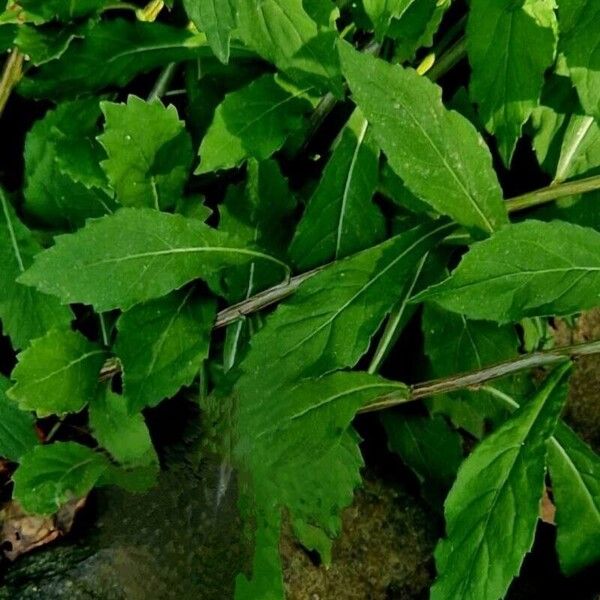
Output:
(196, 162)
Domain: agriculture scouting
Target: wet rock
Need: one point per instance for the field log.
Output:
(172, 543)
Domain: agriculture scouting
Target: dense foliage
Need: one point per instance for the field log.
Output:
(193, 163)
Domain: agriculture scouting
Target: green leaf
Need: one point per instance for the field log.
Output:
(8, 32)
(47, 10)
(253, 122)
(25, 313)
(578, 21)
(416, 26)
(217, 20)
(504, 85)
(125, 436)
(49, 476)
(64, 182)
(430, 269)
(323, 12)
(324, 326)
(43, 44)
(304, 434)
(438, 153)
(282, 32)
(135, 255)
(548, 121)
(575, 474)
(573, 210)
(580, 151)
(454, 345)
(258, 213)
(112, 53)
(161, 345)
(492, 509)
(525, 270)
(341, 218)
(381, 13)
(429, 447)
(146, 166)
(57, 374)
(17, 427)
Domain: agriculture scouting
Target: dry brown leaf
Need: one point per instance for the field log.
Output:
(21, 532)
(547, 509)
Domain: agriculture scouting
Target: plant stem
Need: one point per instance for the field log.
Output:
(553, 192)
(262, 300)
(162, 83)
(448, 60)
(475, 379)
(104, 330)
(11, 75)
(395, 321)
(120, 6)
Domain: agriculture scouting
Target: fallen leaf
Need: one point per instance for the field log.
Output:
(21, 533)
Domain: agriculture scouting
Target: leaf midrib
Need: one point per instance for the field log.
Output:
(365, 287)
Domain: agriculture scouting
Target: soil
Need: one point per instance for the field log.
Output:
(384, 552)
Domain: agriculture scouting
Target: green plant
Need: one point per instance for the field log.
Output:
(120, 265)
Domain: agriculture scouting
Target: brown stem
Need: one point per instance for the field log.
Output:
(475, 379)
(261, 300)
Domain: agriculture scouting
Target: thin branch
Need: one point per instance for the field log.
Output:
(552, 193)
(448, 60)
(262, 300)
(11, 75)
(476, 379)
(162, 83)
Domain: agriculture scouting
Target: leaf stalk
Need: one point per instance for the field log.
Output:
(553, 192)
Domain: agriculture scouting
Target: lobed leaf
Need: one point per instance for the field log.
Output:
(283, 33)
(341, 218)
(216, 19)
(492, 509)
(161, 345)
(125, 436)
(135, 255)
(280, 444)
(524, 270)
(57, 374)
(506, 86)
(25, 313)
(575, 474)
(64, 182)
(51, 475)
(112, 53)
(17, 427)
(145, 166)
(578, 20)
(252, 122)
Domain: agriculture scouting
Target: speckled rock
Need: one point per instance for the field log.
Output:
(385, 551)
